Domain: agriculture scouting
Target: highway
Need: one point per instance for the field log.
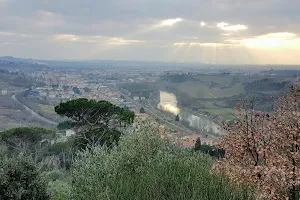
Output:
(32, 112)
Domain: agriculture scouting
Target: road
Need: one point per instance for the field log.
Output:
(34, 113)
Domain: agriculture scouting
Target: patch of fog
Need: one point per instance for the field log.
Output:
(204, 124)
(168, 102)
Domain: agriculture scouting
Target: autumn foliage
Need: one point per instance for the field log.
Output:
(262, 149)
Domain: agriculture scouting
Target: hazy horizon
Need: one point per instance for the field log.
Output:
(181, 63)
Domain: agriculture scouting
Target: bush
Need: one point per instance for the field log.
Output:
(59, 190)
(20, 180)
(144, 166)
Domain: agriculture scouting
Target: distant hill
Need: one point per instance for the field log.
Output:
(13, 64)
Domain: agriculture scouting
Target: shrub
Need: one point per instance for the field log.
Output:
(59, 190)
(144, 166)
(20, 180)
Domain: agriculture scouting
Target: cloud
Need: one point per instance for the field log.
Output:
(150, 29)
(203, 23)
(66, 37)
(48, 19)
(205, 44)
(13, 34)
(170, 22)
(273, 41)
(226, 27)
(96, 39)
(222, 24)
(121, 41)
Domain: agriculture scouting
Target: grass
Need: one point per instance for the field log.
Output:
(226, 113)
(212, 109)
(222, 80)
(47, 108)
(200, 90)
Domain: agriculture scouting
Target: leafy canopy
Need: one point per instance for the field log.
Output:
(96, 122)
(20, 180)
(24, 139)
(85, 111)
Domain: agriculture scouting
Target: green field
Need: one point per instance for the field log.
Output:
(224, 80)
(47, 108)
(197, 89)
(215, 110)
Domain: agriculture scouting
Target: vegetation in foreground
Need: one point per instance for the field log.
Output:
(141, 166)
(261, 158)
(263, 149)
(144, 166)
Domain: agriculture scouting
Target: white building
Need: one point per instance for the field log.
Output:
(136, 98)
(4, 92)
(70, 132)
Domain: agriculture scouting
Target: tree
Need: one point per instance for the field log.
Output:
(64, 125)
(262, 149)
(177, 118)
(20, 180)
(198, 144)
(124, 172)
(76, 90)
(142, 110)
(86, 89)
(30, 141)
(95, 122)
(66, 87)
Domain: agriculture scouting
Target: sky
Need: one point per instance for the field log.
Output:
(204, 31)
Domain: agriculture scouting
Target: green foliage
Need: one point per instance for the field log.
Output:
(90, 111)
(97, 122)
(142, 110)
(198, 144)
(25, 139)
(20, 180)
(76, 90)
(86, 89)
(55, 86)
(143, 89)
(52, 175)
(207, 149)
(64, 125)
(66, 87)
(266, 85)
(59, 190)
(144, 166)
(64, 151)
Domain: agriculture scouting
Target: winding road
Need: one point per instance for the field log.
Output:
(32, 112)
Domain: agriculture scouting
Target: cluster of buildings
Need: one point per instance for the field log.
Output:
(59, 86)
(185, 139)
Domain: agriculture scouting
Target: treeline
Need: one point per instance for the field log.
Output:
(266, 85)
(3, 71)
(17, 79)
